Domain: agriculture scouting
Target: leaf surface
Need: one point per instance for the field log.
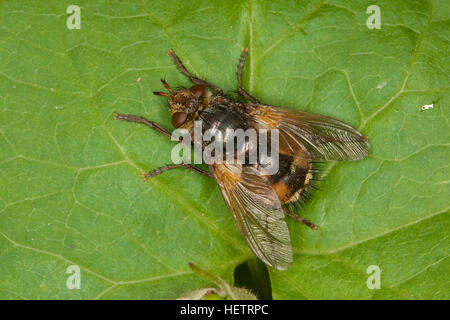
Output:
(72, 193)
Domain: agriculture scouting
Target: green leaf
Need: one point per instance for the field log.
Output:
(71, 187)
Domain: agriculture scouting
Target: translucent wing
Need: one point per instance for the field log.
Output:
(324, 137)
(257, 212)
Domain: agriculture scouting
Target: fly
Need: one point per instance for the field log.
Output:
(257, 201)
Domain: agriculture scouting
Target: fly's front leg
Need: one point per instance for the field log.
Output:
(174, 166)
(195, 80)
(239, 75)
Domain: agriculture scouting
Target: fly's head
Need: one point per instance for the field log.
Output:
(184, 103)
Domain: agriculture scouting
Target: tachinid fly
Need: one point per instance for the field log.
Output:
(257, 201)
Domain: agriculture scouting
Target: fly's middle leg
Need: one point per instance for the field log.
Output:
(151, 124)
(157, 127)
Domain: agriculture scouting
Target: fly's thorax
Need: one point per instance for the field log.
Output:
(225, 126)
(224, 131)
(223, 116)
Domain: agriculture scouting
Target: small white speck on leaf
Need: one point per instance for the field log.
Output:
(426, 107)
(381, 85)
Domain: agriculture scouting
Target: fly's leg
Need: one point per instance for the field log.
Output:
(155, 172)
(157, 127)
(153, 125)
(239, 75)
(195, 80)
(300, 219)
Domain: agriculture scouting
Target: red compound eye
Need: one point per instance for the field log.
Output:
(178, 118)
(198, 90)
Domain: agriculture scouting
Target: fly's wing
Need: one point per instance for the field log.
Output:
(257, 212)
(324, 137)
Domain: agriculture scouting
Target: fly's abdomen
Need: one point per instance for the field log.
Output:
(293, 178)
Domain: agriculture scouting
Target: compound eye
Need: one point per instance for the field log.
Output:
(198, 90)
(178, 118)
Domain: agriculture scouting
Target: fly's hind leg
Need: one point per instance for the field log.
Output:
(195, 80)
(300, 219)
(174, 166)
(239, 76)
